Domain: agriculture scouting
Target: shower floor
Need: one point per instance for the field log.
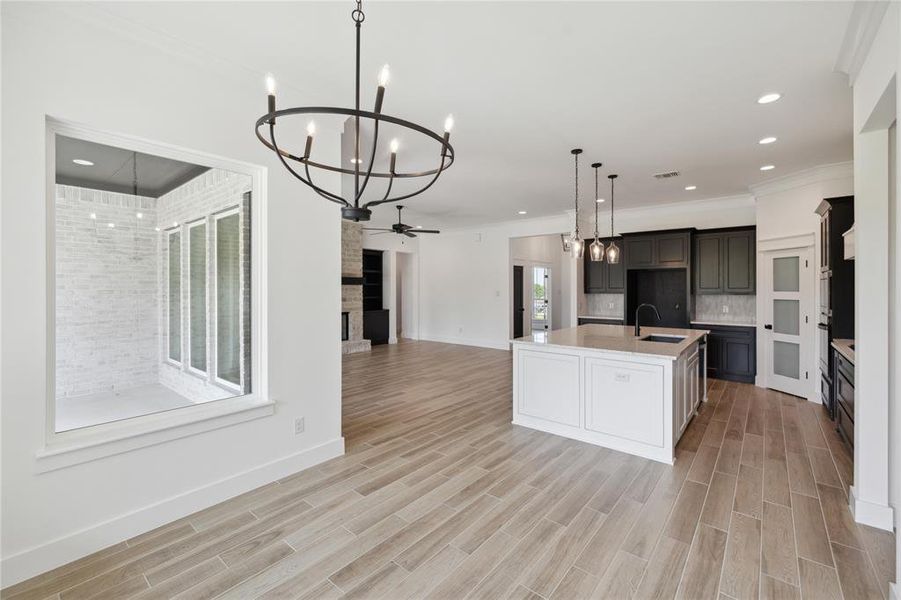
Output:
(105, 407)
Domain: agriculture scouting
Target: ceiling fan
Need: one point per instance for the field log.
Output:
(401, 228)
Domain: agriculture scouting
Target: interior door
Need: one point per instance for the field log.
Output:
(519, 309)
(541, 298)
(787, 328)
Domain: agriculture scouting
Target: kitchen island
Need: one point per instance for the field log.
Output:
(603, 385)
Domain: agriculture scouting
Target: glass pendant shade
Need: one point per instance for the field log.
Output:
(613, 253)
(596, 251)
(577, 246)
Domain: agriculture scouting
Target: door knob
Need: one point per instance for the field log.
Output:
(768, 326)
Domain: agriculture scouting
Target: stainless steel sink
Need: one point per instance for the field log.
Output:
(666, 339)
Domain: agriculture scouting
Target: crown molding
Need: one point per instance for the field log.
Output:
(863, 25)
(842, 170)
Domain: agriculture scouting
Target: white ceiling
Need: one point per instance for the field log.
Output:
(643, 87)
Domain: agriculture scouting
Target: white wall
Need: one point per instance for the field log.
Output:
(874, 496)
(56, 60)
(478, 261)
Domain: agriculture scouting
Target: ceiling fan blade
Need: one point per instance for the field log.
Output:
(376, 229)
(381, 232)
(427, 231)
(408, 234)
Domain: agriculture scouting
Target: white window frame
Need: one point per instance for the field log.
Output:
(214, 311)
(188, 345)
(67, 448)
(181, 297)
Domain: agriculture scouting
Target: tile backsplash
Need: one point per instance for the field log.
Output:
(741, 309)
(604, 305)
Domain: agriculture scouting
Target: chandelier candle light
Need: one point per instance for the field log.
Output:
(612, 249)
(356, 208)
(577, 245)
(596, 250)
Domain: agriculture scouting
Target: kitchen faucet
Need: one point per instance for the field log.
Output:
(638, 310)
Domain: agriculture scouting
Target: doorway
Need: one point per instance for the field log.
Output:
(788, 302)
(519, 310)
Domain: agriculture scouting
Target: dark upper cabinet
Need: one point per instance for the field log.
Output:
(708, 271)
(639, 252)
(725, 262)
(648, 251)
(602, 277)
(673, 249)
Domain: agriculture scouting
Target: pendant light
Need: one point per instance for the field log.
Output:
(577, 245)
(612, 249)
(596, 250)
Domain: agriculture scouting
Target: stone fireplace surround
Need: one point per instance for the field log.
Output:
(352, 286)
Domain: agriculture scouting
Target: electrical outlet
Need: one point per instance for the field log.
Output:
(610, 305)
(298, 425)
(725, 309)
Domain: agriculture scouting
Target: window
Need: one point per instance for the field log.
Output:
(228, 298)
(152, 288)
(540, 298)
(197, 277)
(174, 296)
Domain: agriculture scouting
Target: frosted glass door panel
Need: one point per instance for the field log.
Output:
(786, 274)
(786, 316)
(787, 359)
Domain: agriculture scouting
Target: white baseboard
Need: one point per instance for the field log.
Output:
(37, 560)
(880, 516)
(465, 341)
(894, 591)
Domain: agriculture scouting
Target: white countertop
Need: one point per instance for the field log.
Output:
(844, 348)
(615, 338)
(723, 323)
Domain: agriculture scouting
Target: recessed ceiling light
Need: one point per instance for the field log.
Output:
(522, 212)
(767, 140)
(156, 228)
(110, 225)
(600, 200)
(175, 223)
(419, 227)
(140, 215)
(689, 188)
(767, 167)
(768, 98)
(82, 162)
(94, 216)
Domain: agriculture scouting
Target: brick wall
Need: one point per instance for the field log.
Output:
(106, 291)
(352, 295)
(199, 200)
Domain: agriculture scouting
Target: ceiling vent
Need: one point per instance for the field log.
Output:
(666, 175)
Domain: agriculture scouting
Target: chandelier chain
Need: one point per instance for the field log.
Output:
(577, 194)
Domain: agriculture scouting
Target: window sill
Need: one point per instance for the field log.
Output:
(79, 446)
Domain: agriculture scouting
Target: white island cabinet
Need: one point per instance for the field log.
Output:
(601, 384)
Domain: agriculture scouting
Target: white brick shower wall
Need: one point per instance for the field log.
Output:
(200, 199)
(106, 291)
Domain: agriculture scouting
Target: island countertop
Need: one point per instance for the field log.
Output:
(616, 338)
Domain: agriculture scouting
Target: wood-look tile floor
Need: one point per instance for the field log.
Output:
(439, 496)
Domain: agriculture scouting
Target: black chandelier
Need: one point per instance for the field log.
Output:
(355, 209)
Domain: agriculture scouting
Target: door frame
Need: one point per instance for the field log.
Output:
(803, 244)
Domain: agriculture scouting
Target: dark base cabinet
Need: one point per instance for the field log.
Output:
(731, 352)
(599, 321)
(843, 391)
(375, 326)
